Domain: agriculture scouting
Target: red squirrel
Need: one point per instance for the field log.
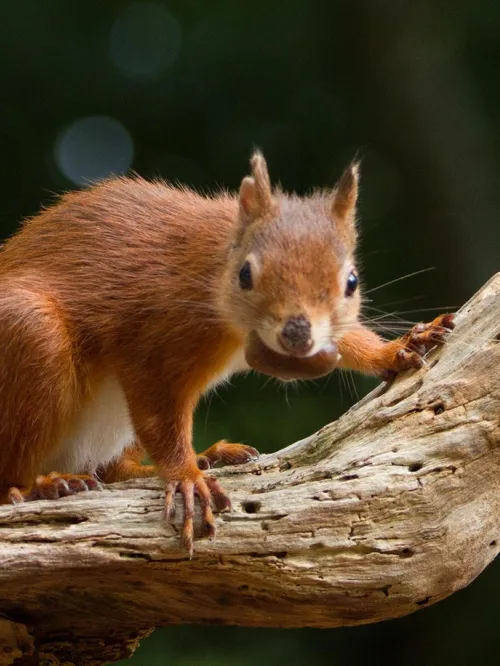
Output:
(123, 303)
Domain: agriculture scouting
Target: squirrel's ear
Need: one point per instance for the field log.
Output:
(255, 190)
(346, 194)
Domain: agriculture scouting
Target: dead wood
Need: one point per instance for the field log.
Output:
(394, 506)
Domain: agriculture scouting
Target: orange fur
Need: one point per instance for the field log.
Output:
(126, 294)
(127, 466)
(363, 350)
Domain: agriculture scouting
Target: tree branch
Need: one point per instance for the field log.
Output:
(392, 507)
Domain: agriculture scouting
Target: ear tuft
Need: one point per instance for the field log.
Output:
(346, 194)
(249, 200)
(261, 174)
(255, 190)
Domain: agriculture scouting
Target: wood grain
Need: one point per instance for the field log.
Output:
(393, 507)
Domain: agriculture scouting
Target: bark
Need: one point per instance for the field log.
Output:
(393, 507)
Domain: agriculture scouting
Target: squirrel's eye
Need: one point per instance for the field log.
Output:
(352, 284)
(245, 276)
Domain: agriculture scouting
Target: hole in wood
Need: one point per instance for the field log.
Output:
(415, 467)
(349, 477)
(406, 552)
(251, 507)
(423, 601)
(493, 543)
(438, 408)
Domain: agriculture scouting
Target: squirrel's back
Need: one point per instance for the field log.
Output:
(120, 219)
(118, 252)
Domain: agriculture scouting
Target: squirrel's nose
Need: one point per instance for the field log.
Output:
(295, 337)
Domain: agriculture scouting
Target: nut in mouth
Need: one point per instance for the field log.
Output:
(263, 359)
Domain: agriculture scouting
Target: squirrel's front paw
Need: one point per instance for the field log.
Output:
(207, 489)
(409, 351)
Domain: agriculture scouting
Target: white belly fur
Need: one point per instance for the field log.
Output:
(102, 431)
(104, 428)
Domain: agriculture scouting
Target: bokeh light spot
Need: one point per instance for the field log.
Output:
(93, 148)
(145, 39)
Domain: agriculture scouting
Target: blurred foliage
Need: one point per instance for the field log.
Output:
(184, 90)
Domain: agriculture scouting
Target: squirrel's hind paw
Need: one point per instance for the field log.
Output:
(227, 454)
(53, 486)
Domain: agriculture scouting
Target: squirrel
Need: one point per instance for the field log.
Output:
(123, 303)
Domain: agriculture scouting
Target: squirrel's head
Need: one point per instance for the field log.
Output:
(291, 277)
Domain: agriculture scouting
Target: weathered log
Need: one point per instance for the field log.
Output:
(394, 506)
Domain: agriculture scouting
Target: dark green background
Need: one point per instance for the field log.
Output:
(414, 86)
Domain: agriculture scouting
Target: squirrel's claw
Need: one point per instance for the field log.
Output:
(227, 454)
(170, 489)
(202, 490)
(207, 489)
(412, 347)
(53, 486)
(219, 496)
(186, 489)
(423, 337)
